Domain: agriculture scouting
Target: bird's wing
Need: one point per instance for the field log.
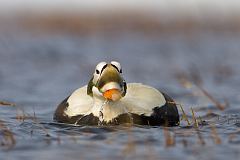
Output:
(141, 99)
(79, 103)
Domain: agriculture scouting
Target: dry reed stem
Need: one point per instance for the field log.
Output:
(201, 121)
(184, 116)
(185, 142)
(195, 122)
(231, 137)
(211, 98)
(200, 138)
(196, 126)
(73, 138)
(169, 140)
(42, 126)
(183, 79)
(151, 151)
(130, 146)
(214, 135)
(58, 139)
(21, 115)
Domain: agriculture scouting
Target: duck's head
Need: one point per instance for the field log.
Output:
(107, 81)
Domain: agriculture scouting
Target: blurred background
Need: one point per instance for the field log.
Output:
(107, 15)
(186, 48)
(49, 48)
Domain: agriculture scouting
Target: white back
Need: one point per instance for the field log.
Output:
(141, 99)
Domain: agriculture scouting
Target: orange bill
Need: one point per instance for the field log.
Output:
(112, 94)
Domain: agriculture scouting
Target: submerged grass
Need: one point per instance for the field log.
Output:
(21, 116)
(7, 137)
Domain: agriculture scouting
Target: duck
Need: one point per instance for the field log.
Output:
(108, 100)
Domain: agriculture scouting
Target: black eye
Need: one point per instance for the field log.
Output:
(120, 71)
(97, 71)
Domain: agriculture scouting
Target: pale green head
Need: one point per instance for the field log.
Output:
(107, 76)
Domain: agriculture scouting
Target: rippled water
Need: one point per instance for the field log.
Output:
(38, 71)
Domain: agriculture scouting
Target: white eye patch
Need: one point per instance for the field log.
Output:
(117, 65)
(99, 67)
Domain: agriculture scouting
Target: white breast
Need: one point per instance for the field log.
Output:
(140, 99)
(110, 110)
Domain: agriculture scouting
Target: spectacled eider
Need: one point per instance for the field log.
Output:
(110, 100)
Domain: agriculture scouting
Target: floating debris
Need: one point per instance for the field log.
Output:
(4, 103)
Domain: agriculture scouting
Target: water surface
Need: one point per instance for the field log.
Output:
(38, 71)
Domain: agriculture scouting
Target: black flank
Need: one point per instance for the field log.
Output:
(59, 113)
(166, 115)
(61, 117)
